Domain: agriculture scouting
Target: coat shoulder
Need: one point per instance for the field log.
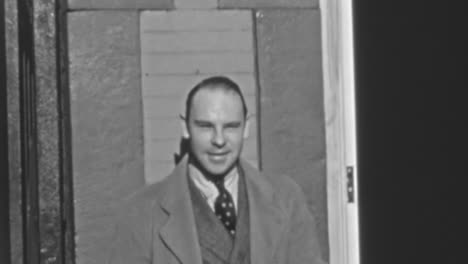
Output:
(147, 197)
(285, 188)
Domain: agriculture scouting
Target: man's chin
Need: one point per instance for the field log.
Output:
(217, 172)
(214, 168)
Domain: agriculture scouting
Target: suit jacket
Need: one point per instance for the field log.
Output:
(157, 224)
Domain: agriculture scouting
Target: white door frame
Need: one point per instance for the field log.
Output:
(339, 101)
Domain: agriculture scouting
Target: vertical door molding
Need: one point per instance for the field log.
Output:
(338, 68)
(28, 132)
(67, 235)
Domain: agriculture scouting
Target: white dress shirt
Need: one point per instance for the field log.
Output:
(208, 188)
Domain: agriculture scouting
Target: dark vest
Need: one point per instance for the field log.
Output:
(216, 245)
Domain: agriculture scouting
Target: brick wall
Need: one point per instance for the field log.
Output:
(131, 64)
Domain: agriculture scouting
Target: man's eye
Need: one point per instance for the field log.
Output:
(232, 126)
(203, 125)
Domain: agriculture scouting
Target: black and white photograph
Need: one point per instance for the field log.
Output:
(228, 131)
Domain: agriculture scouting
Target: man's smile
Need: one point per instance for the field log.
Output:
(218, 156)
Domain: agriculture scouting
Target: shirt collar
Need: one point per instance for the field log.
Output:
(208, 188)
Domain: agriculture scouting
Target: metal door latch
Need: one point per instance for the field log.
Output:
(350, 183)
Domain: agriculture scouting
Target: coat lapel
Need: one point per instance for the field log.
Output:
(266, 218)
(179, 232)
(212, 235)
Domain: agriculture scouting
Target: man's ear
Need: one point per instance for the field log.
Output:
(185, 131)
(248, 120)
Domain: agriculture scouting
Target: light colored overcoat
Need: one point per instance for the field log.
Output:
(157, 224)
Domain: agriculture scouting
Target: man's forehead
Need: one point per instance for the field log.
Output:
(215, 95)
(217, 102)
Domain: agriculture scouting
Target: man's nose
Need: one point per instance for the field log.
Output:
(218, 139)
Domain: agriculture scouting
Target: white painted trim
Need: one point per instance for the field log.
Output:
(339, 101)
(350, 128)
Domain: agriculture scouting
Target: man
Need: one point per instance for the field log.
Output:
(215, 207)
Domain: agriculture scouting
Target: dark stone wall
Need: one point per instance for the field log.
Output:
(14, 148)
(47, 129)
(292, 111)
(107, 128)
(4, 181)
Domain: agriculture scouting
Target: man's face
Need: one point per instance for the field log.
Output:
(216, 128)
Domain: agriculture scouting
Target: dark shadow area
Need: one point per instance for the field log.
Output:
(183, 149)
(412, 129)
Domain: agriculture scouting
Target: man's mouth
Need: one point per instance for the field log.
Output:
(218, 156)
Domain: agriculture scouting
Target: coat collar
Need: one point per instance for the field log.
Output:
(180, 234)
